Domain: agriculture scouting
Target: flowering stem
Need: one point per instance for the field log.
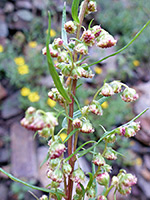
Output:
(71, 106)
(105, 148)
(108, 190)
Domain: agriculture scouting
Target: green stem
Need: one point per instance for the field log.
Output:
(105, 149)
(26, 184)
(96, 94)
(108, 190)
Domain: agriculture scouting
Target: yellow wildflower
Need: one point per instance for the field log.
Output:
(1, 48)
(33, 97)
(105, 105)
(136, 63)
(52, 32)
(24, 69)
(98, 70)
(51, 103)
(19, 61)
(86, 101)
(32, 44)
(25, 91)
(138, 161)
(63, 136)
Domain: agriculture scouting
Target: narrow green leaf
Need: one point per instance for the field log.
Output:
(59, 192)
(70, 134)
(90, 181)
(63, 31)
(122, 49)
(78, 149)
(44, 161)
(52, 69)
(74, 10)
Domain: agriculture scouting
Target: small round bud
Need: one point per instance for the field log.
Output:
(91, 7)
(67, 169)
(77, 123)
(116, 86)
(78, 189)
(81, 48)
(54, 184)
(96, 30)
(63, 57)
(78, 176)
(44, 197)
(30, 110)
(88, 38)
(110, 138)
(53, 163)
(103, 179)
(91, 193)
(96, 108)
(70, 27)
(58, 42)
(129, 95)
(57, 176)
(56, 150)
(115, 181)
(110, 154)
(107, 90)
(71, 44)
(87, 127)
(106, 168)
(98, 160)
(101, 197)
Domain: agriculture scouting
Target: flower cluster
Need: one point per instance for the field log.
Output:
(123, 182)
(129, 130)
(36, 120)
(128, 95)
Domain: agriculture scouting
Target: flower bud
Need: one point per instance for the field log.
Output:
(53, 51)
(56, 150)
(98, 160)
(62, 57)
(85, 110)
(54, 184)
(91, 7)
(70, 27)
(71, 44)
(91, 193)
(129, 95)
(30, 110)
(66, 70)
(121, 131)
(124, 190)
(110, 138)
(56, 96)
(116, 86)
(77, 123)
(78, 176)
(78, 189)
(76, 197)
(130, 132)
(101, 197)
(115, 181)
(135, 126)
(129, 180)
(95, 108)
(88, 38)
(58, 42)
(96, 30)
(81, 48)
(106, 90)
(67, 169)
(57, 175)
(44, 197)
(110, 154)
(106, 168)
(105, 40)
(103, 179)
(53, 163)
(87, 127)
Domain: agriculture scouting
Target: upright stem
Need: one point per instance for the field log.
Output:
(71, 106)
